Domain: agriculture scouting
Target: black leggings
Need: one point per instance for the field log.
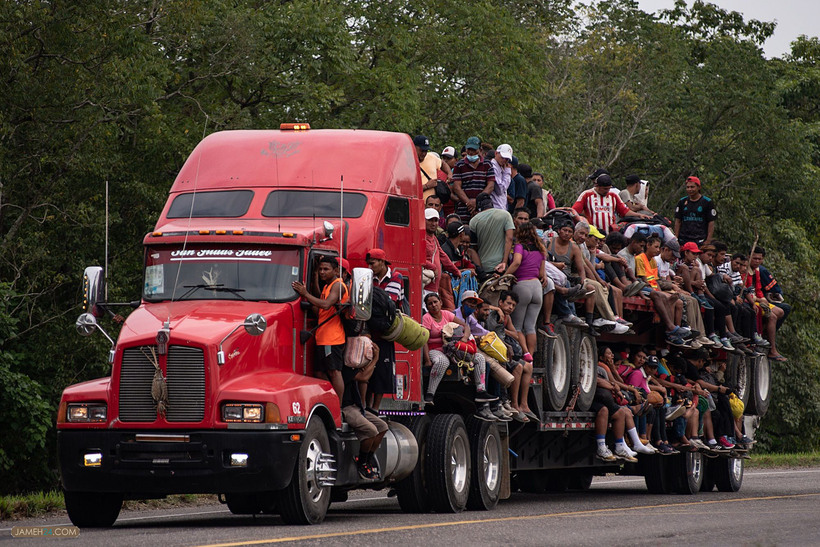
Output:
(657, 417)
(720, 312)
(722, 419)
(744, 318)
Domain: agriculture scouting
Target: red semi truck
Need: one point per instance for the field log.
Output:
(211, 388)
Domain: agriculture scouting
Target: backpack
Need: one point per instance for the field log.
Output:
(358, 351)
(492, 288)
(466, 282)
(383, 311)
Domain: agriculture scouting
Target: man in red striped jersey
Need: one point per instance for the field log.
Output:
(602, 207)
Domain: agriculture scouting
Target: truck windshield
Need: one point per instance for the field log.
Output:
(208, 272)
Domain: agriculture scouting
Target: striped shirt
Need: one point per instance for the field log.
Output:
(473, 181)
(600, 211)
(726, 268)
(392, 284)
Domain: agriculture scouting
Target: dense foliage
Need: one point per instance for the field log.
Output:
(106, 90)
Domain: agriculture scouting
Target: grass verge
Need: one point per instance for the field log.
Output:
(42, 503)
(792, 459)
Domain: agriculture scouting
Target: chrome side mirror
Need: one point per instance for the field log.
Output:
(255, 324)
(329, 228)
(361, 293)
(93, 290)
(86, 325)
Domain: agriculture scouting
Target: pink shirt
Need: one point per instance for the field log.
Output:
(435, 341)
(634, 377)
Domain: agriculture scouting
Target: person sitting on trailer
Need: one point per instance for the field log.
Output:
(657, 416)
(772, 314)
(687, 373)
(434, 321)
(606, 393)
(721, 414)
(330, 334)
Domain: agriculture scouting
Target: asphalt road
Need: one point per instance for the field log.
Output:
(774, 507)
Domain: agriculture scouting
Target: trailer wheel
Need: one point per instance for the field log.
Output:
(580, 480)
(728, 474)
(584, 370)
(485, 447)
(304, 501)
(447, 465)
(689, 469)
(411, 490)
(656, 474)
(738, 367)
(761, 386)
(93, 509)
(559, 370)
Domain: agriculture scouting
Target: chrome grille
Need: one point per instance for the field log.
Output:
(185, 377)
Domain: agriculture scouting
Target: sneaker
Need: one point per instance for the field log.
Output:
(694, 344)
(507, 406)
(743, 348)
(735, 337)
(483, 413)
(697, 443)
(604, 325)
(664, 449)
(704, 341)
(760, 341)
(686, 333)
(622, 321)
(548, 331)
(746, 440)
(500, 414)
(724, 443)
(727, 345)
(605, 454)
(675, 340)
(484, 397)
(641, 448)
(675, 412)
(621, 329)
(622, 452)
(373, 463)
(704, 302)
(428, 399)
(593, 331)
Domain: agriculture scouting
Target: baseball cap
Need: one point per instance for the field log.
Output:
(345, 264)
(422, 142)
(603, 180)
(430, 213)
(690, 246)
(455, 228)
(696, 180)
(597, 173)
(505, 151)
(514, 162)
(473, 143)
(483, 202)
(448, 151)
(377, 254)
(594, 232)
(467, 295)
(652, 361)
(674, 246)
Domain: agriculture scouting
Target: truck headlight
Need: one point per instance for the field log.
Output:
(87, 412)
(243, 412)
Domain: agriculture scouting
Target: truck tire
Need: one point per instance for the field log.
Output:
(303, 501)
(656, 474)
(584, 370)
(485, 480)
(737, 368)
(447, 464)
(728, 474)
(93, 509)
(580, 480)
(761, 387)
(411, 490)
(558, 376)
(689, 469)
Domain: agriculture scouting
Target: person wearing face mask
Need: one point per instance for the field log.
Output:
(472, 175)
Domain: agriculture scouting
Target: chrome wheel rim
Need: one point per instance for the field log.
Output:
(314, 451)
(586, 364)
(492, 462)
(763, 378)
(458, 463)
(696, 465)
(737, 469)
(558, 374)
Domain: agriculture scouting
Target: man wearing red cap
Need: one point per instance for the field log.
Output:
(695, 215)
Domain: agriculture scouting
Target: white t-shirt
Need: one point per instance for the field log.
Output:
(664, 268)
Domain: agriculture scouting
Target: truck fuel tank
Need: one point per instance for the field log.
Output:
(397, 453)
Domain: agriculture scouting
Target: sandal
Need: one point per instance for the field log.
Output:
(777, 357)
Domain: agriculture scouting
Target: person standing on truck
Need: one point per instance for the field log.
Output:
(473, 175)
(601, 207)
(695, 215)
(492, 230)
(429, 166)
(383, 380)
(436, 260)
(503, 175)
(330, 334)
(632, 198)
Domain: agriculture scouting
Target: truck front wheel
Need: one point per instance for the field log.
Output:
(93, 509)
(305, 501)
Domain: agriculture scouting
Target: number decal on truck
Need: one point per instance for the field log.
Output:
(297, 408)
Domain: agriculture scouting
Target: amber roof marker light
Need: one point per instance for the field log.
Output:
(294, 126)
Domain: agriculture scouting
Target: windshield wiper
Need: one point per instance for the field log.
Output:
(217, 288)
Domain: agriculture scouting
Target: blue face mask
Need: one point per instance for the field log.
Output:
(472, 158)
(467, 310)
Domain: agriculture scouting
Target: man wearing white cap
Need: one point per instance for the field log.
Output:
(503, 175)
(436, 258)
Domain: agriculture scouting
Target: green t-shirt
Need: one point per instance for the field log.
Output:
(490, 229)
